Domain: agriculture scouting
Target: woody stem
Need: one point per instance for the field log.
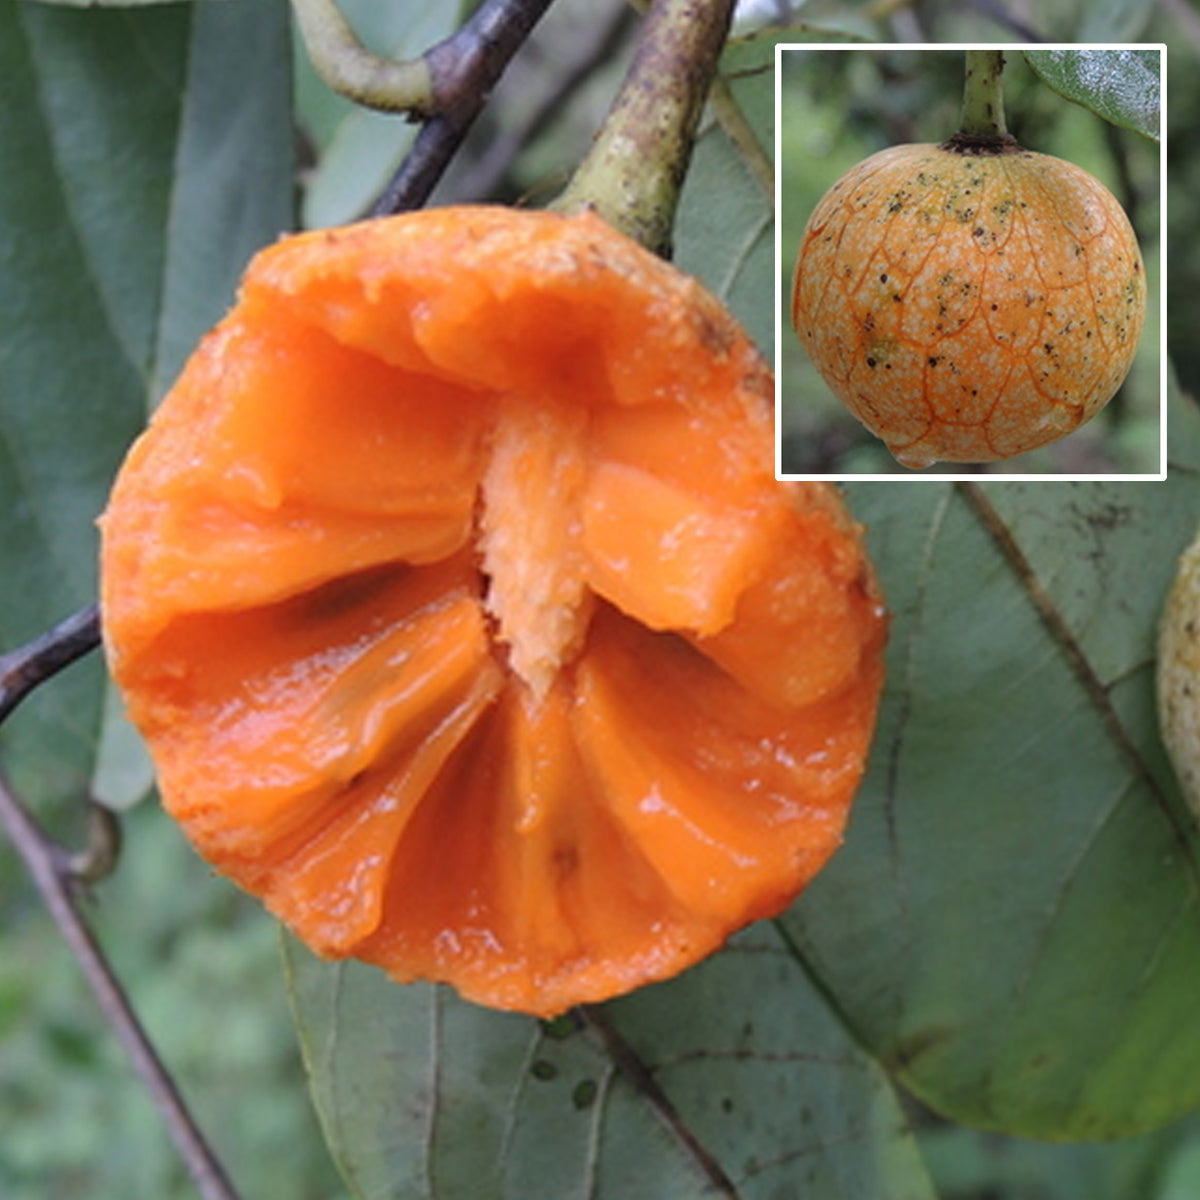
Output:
(633, 174)
(58, 875)
(983, 95)
(463, 69)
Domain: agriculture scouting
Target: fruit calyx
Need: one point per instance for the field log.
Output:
(982, 145)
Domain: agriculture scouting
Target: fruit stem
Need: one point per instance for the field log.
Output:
(983, 95)
(353, 71)
(634, 171)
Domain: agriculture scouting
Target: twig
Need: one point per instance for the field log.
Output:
(983, 95)
(51, 869)
(423, 166)
(486, 175)
(59, 875)
(464, 68)
(21, 670)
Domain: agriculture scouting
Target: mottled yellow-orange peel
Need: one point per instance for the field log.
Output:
(971, 301)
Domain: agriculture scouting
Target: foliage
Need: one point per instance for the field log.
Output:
(1122, 86)
(1009, 933)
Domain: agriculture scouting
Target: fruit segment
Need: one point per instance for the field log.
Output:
(272, 714)
(661, 553)
(283, 462)
(706, 777)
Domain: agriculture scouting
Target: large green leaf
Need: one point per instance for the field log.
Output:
(233, 178)
(1014, 922)
(733, 1080)
(126, 148)
(1156, 1166)
(725, 228)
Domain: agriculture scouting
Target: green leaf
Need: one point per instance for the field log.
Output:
(964, 1162)
(1122, 86)
(233, 176)
(123, 774)
(725, 226)
(733, 1079)
(116, 127)
(1013, 924)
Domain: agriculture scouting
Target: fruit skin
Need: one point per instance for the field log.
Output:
(468, 627)
(971, 301)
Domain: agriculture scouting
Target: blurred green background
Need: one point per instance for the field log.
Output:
(840, 105)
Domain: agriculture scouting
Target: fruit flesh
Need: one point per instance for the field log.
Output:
(454, 594)
(966, 307)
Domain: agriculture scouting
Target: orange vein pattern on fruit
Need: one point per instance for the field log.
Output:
(969, 308)
(454, 594)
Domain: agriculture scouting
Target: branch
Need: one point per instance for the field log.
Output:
(21, 670)
(58, 875)
(485, 176)
(52, 871)
(464, 69)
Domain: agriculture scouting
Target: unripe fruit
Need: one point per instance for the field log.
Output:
(971, 301)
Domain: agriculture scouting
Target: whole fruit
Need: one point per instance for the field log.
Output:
(971, 301)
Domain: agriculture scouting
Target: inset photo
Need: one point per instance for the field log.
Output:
(969, 273)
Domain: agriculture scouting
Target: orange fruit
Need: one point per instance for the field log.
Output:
(454, 594)
(971, 301)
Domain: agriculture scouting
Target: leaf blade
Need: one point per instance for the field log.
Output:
(91, 114)
(1014, 918)
(660, 1093)
(1122, 86)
